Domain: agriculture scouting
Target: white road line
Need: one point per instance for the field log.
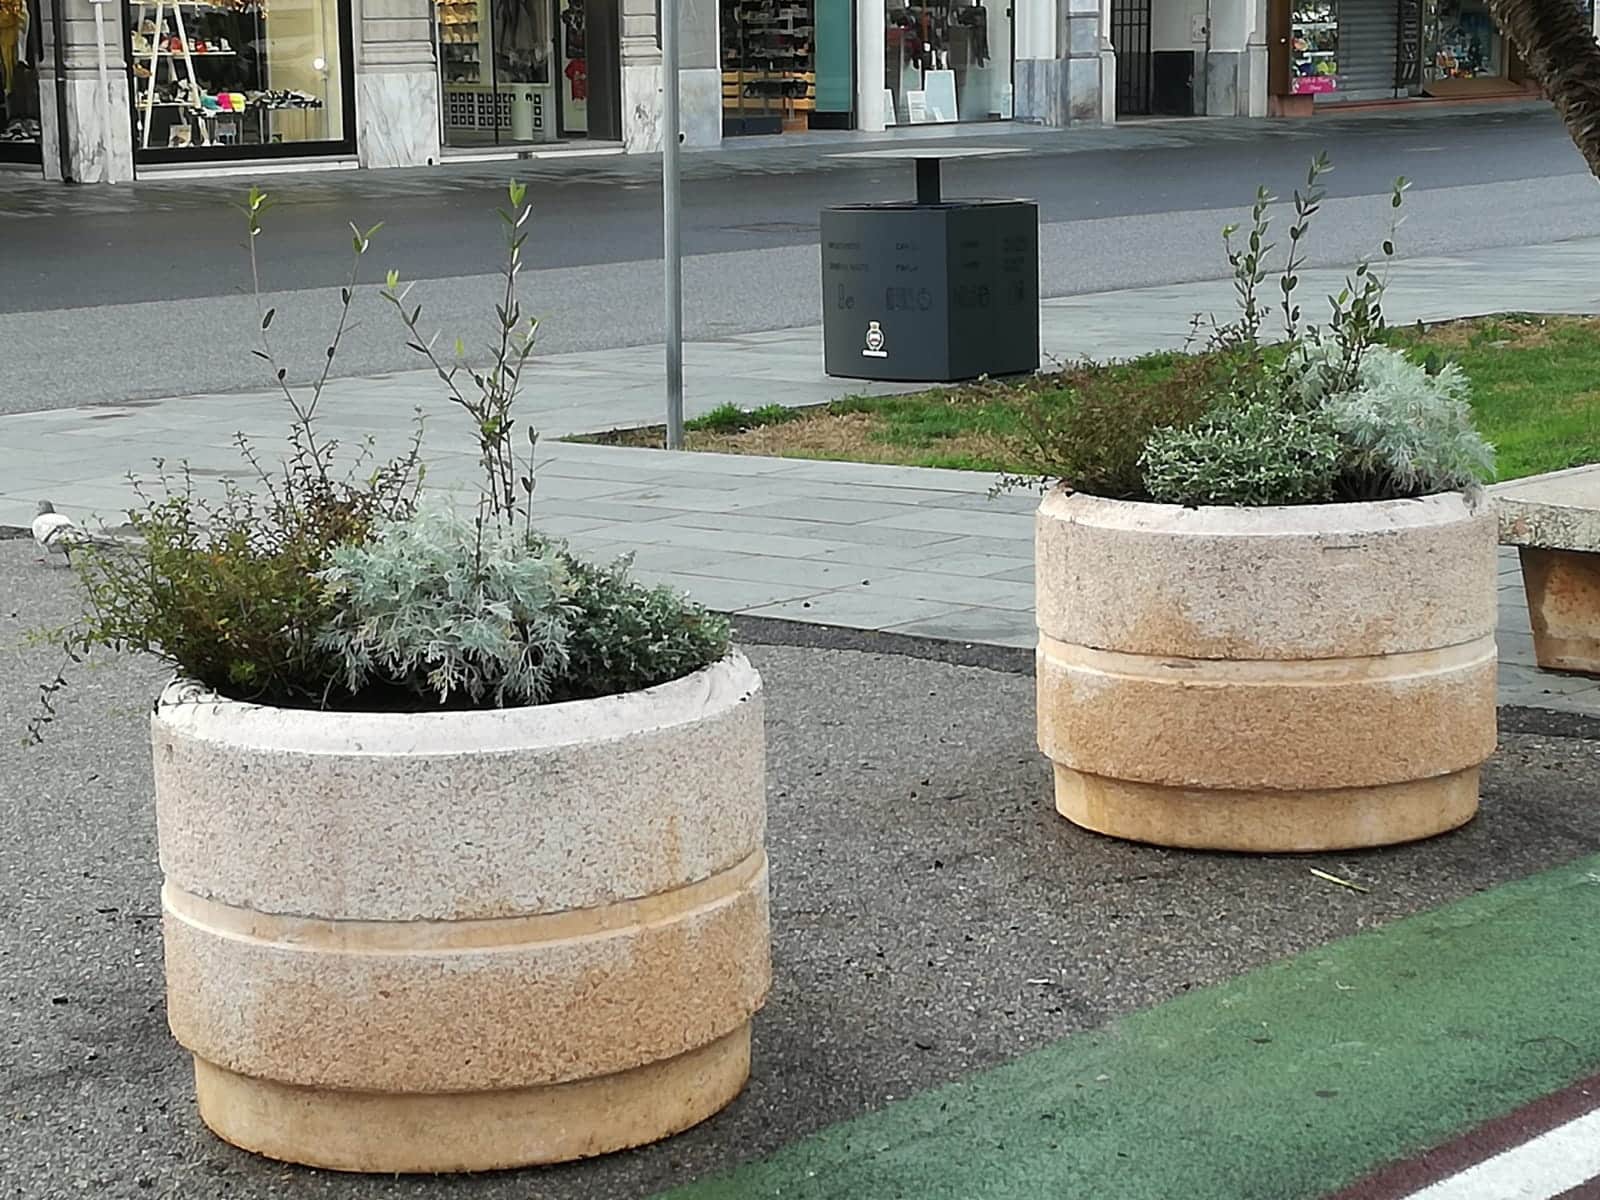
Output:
(1547, 1166)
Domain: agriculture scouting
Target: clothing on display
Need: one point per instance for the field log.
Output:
(14, 22)
(19, 79)
(956, 36)
(976, 20)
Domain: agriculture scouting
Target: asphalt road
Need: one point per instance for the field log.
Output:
(931, 914)
(141, 291)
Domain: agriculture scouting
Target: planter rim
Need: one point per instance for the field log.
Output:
(194, 710)
(1275, 518)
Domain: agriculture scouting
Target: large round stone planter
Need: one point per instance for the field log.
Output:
(468, 940)
(1269, 679)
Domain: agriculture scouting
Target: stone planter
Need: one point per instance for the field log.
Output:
(467, 940)
(1272, 679)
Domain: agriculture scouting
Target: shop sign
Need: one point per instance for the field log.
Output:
(1313, 85)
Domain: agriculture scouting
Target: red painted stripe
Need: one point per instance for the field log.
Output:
(1494, 1137)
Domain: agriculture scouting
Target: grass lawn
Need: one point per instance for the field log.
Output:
(1535, 384)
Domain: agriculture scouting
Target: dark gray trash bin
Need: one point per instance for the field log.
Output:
(931, 291)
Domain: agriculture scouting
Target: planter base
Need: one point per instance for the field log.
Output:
(472, 1131)
(1272, 822)
(1563, 588)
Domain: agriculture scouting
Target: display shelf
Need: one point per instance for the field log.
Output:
(463, 41)
(768, 52)
(1315, 63)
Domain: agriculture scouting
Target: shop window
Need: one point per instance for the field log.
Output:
(239, 77)
(1314, 46)
(497, 60)
(949, 61)
(20, 46)
(769, 80)
(1465, 42)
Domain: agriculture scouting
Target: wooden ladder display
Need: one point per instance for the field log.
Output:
(189, 99)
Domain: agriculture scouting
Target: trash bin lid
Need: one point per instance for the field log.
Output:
(913, 151)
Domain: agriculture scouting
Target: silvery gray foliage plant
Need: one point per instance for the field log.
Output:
(1407, 430)
(441, 609)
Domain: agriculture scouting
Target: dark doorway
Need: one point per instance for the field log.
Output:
(1130, 38)
(603, 46)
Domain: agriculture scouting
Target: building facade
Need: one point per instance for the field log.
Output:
(102, 90)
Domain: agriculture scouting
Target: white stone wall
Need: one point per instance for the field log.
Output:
(1064, 70)
(99, 132)
(1236, 59)
(397, 84)
(699, 75)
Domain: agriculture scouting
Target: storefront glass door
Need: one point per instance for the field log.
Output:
(507, 67)
(20, 46)
(949, 60)
(573, 68)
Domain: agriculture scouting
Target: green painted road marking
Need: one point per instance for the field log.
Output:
(1283, 1084)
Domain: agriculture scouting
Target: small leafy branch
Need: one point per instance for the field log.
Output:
(1356, 320)
(507, 491)
(308, 458)
(1249, 263)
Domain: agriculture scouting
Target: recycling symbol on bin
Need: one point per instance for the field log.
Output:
(875, 341)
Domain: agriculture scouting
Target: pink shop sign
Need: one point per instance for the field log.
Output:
(1313, 85)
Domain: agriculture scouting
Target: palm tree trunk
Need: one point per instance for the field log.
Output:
(1559, 47)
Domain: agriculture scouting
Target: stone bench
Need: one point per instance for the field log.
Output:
(1554, 521)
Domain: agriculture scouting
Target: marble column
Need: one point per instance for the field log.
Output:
(98, 127)
(397, 84)
(873, 114)
(1065, 86)
(699, 75)
(1236, 76)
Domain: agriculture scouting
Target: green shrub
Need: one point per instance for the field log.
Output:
(1255, 453)
(227, 591)
(1089, 427)
(625, 636)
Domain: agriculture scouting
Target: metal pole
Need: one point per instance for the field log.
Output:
(106, 116)
(58, 36)
(672, 248)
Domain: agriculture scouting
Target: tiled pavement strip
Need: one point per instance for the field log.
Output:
(901, 549)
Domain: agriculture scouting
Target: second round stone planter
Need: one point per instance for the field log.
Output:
(468, 940)
(1269, 679)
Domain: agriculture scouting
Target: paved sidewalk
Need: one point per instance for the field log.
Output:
(898, 549)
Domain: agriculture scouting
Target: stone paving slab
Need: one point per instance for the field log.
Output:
(903, 549)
